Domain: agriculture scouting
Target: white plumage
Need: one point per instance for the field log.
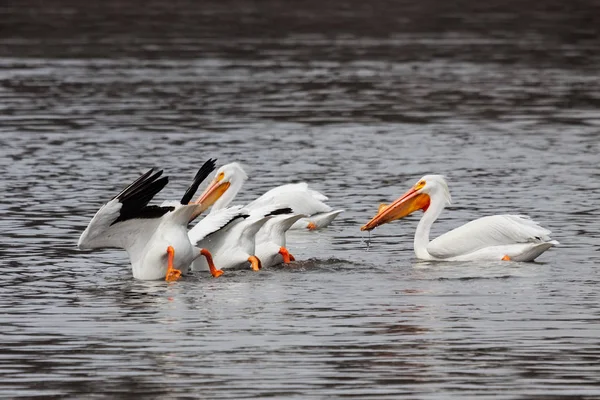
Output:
(213, 222)
(270, 242)
(223, 239)
(155, 238)
(297, 196)
(497, 237)
(302, 200)
(493, 237)
(233, 244)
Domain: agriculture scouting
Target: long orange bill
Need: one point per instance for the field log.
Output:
(211, 265)
(287, 257)
(213, 192)
(410, 202)
(172, 273)
(256, 264)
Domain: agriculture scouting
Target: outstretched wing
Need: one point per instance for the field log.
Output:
(495, 230)
(203, 172)
(127, 217)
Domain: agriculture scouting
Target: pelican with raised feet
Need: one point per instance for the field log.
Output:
(229, 236)
(270, 245)
(155, 237)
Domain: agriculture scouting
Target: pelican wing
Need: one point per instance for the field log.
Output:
(275, 228)
(127, 217)
(297, 196)
(203, 172)
(496, 230)
(296, 187)
(213, 222)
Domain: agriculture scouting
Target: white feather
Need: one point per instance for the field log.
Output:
(497, 237)
(297, 196)
(271, 238)
(213, 222)
(495, 230)
(122, 235)
(319, 220)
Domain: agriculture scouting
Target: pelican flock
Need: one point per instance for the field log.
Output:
(161, 245)
(233, 234)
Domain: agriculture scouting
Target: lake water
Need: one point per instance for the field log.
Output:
(360, 100)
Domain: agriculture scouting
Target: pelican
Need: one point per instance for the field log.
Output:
(496, 237)
(229, 236)
(155, 237)
(229, 180)
(231, 246)
(270, 240)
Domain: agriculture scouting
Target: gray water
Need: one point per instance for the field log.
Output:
(360, 101)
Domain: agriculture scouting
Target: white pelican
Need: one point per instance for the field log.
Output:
(155, 237)
(270, 240)
(497, 237)
(297, 196)
(229, 235)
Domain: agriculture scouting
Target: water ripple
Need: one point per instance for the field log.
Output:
(361, 113)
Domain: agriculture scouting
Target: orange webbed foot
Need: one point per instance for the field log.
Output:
(506, 258)
(172, 273)
(256, 264)
(211, 265)
(287, 257)
(311, 226)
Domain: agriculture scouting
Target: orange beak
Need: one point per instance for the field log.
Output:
(410, 202)
(213, 192)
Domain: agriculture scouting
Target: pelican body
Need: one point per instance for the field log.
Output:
(155, 237)
(232, 243)
(299, 197)
(270, 245)
(496, 237)
(228, 235)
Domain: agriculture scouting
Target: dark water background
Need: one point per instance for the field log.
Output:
(358, 98)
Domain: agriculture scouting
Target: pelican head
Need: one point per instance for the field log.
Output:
(418, 197)
(228, 179)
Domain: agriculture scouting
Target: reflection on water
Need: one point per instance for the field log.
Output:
(505, 104)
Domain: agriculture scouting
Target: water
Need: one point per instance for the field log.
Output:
(358, 100)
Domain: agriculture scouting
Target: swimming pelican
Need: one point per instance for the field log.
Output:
(229, 180)
(229, 235)
(270, 240)
(496, 237)
(155, 237)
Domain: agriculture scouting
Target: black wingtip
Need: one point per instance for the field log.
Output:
(135, 197)
(206, 168)
(135, 184)
(280, 211)
(203, 172)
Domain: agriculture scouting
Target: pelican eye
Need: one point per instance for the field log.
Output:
(221, 176)
(419, 185)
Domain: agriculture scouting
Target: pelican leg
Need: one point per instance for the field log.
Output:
(506, 258)
(311, 226)
(172, 273)
(256, 264)
(211, 265)
(287, 257)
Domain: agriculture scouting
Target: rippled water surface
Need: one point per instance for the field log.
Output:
(359, 101)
